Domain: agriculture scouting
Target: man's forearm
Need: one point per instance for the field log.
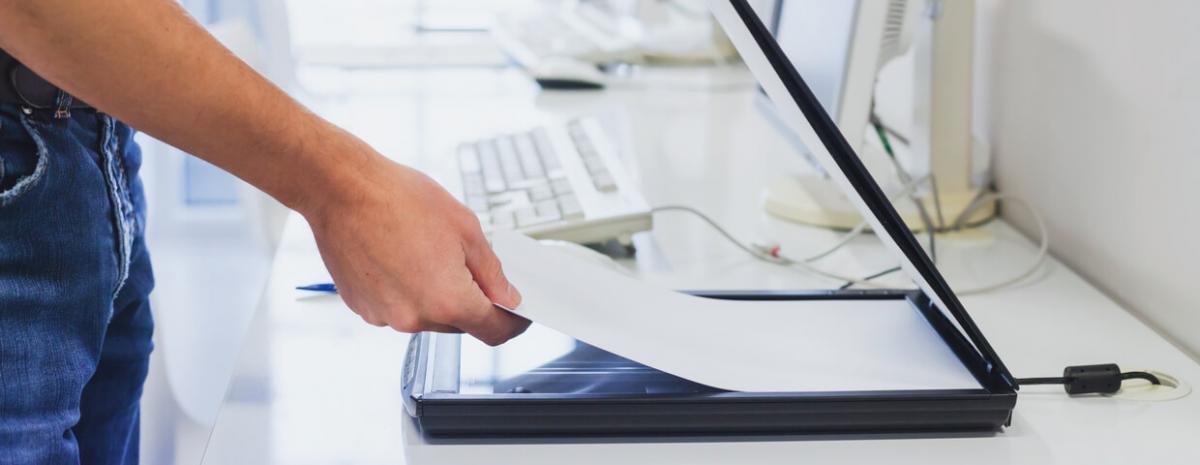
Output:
(149, 64)
(403, 252)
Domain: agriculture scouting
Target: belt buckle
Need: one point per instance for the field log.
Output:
(14, 83)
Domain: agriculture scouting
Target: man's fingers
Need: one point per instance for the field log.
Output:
(440, 328)
(489, 276)
(491, 325)
(416, 328)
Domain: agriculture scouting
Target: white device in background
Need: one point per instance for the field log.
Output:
(599, 32)
(839, 46)
(562, 182)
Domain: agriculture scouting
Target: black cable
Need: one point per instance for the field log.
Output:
(937, 201)
(1141, 375)
(1091, 379)
(870, 277)
(1060, 380)
(1031, 381)
(892, 132)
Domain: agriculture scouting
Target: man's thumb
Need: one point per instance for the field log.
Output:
(488, 274)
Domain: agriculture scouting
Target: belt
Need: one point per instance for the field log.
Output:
(21, 86)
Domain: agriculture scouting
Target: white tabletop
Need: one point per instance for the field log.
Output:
(316, 385)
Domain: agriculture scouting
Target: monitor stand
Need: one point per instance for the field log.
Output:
(814, 200)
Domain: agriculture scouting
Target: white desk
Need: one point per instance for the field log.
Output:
(316, 385)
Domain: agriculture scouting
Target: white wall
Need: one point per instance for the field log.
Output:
(1093, 111)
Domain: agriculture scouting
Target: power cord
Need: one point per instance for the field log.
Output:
(1091, 379)
(773, 254)
(1034, 264)
(978, 202)
(1043, 240)
(880, 274)
(861, 227)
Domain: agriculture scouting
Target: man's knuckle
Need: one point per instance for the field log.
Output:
(372, 319)
(471, 221)
(406, 323)
(497, 271)
(447, 310)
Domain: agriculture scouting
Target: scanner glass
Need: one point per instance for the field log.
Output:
(543, 361)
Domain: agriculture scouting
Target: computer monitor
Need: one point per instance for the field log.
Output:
(843, 45)
(839, 46)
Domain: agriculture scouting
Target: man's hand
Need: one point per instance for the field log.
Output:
(402, 251)
(406, 254)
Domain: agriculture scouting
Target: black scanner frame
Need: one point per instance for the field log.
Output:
(943, 411)
(533, 415)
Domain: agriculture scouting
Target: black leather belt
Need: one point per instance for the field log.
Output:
(22, 86)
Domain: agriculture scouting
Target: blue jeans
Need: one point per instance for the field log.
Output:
(75, 278)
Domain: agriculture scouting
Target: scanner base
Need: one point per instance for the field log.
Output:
(583, 391)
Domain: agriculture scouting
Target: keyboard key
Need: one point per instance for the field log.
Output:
(509, 161)
(604, 182)
(571, 209)
(489, 160)
(595, 165)
(575, 128)
(545, 149)
(473, 185)
(540, 193)
(477, 204)
(518, 198)
(527, 184)
(468, 159)
(503, 220)
(525, 216)
(528, 217)
(561, 186)
(547, 209)
(528, 153)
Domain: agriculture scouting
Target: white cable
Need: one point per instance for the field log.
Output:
(805, 263)
(853, 233)
(1043, 241)
(783, 261)
(1043, 247)
(858, 230)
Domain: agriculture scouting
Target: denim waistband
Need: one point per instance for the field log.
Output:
(20, 85)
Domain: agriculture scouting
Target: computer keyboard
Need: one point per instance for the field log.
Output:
(552, 182)
(578, 33)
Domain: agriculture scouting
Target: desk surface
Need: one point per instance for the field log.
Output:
(316, 385)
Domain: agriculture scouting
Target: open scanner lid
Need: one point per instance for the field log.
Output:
(799, 108)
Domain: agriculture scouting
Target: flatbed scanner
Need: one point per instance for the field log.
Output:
(545, 383)
(548, 384)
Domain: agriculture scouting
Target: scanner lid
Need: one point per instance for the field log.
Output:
(799, 108)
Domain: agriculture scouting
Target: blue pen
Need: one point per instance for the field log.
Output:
(319, 287)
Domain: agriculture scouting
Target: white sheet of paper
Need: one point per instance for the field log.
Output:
(804, 346)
